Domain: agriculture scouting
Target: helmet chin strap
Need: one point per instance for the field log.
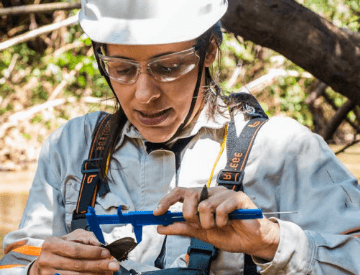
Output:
(195, 94)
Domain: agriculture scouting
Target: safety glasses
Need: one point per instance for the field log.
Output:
(165, 68)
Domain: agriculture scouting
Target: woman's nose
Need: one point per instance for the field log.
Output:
(146, 88)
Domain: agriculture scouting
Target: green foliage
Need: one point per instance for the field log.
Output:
(25, 135)
(8, 107)
(286, 95)
(39, 95)
(36, 119)
(342, 13)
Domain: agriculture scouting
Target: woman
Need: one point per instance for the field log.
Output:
(162, 147)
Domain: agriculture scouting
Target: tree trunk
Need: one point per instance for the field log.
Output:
(329, 53)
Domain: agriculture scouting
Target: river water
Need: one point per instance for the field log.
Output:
(14, 190)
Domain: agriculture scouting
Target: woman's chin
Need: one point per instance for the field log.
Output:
(158, 135)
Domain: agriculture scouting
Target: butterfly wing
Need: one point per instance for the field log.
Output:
(121, 248)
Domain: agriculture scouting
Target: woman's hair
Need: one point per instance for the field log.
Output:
(118, 119)
(212, 90)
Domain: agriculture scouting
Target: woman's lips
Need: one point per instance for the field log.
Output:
(153, 118)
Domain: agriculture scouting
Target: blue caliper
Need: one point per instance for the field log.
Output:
(140, 218)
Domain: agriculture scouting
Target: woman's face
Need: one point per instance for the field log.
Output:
(155, 108)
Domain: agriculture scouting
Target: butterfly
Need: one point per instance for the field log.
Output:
(121, 248)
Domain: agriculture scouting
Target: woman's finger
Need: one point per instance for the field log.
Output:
(70, 249)
(76, 265)
(82, 236)
(180, 228)
(190, 206)
(238, 200)
(207, 214)
(178, 194)
(67, 272)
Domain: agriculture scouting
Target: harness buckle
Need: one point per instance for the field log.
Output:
(78, 221)
(230, 177)
(198, 246)
(89, 167)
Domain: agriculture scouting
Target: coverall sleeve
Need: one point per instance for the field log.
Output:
(43, 217)
(322, 238)
(47, 211)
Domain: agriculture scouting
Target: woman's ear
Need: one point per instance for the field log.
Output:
(211, 53)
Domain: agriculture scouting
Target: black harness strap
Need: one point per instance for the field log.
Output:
(238, 150)
(90, 182)
(249, 266)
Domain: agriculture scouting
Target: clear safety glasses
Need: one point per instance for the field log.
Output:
(165, 68)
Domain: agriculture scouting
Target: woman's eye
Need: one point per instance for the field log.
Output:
(121, 70)
(168, 68)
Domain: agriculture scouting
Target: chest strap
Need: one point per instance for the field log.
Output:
(91, 180)
(201, 255)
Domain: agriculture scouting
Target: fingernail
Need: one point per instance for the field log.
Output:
(105, 253)
(113, 266)
(158, 207)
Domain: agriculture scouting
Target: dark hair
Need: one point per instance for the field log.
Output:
(118, 119)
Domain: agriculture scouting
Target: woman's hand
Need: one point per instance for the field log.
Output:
(76, 253)
(208, 221)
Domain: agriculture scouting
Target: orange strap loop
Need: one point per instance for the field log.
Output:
(11, 266)
(28, 250)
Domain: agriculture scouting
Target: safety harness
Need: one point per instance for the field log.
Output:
(200, 254)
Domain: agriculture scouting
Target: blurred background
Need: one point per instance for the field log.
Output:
(48, 75)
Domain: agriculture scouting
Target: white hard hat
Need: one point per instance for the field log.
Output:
(142, 22)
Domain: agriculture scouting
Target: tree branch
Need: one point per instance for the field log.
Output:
(316, 110)
(14, 119)
(333, 105)
(31, 34)
(39, 8)
(269, 79)
(329, 53)
(316, 93)
(336, 120)
(235, 75)
(347, 146)
(357, 115)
